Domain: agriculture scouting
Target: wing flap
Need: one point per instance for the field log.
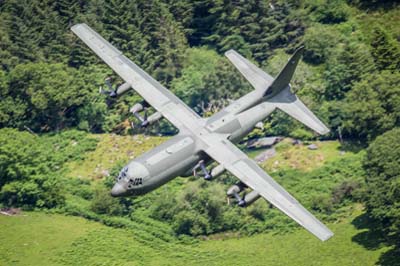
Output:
(236, 162)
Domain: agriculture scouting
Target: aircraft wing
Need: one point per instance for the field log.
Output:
(170, 106)
(236, 162)
(257, 77)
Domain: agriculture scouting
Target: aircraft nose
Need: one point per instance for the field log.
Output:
(118, 190)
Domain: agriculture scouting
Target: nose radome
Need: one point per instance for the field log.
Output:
(118, 190)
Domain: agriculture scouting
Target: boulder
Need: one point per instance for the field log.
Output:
(263, 142)
(312, 147)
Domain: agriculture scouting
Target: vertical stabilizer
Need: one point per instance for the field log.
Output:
(286, 74)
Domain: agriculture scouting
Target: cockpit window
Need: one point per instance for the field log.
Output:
(123, 173)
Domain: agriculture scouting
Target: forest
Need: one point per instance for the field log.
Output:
(54, 123)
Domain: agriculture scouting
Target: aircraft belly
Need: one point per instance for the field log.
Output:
(170, 159)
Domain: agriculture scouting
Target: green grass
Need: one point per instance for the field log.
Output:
(111, 149)
(299, 157)
(46, 239)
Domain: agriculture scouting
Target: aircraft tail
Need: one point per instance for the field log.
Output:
(277, 91)
(283, 79)
(279, 94)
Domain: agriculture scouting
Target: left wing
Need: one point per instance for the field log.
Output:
(236, 162)
(170, 106)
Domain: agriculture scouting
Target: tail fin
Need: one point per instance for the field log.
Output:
(282, 80)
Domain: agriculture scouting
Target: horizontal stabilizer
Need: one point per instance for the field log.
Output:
(289, 103)
(257, 78)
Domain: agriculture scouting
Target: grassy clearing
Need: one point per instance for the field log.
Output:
(299, 157)
(47, 239)
(111, 149)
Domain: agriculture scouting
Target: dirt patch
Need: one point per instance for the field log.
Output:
(10, 211)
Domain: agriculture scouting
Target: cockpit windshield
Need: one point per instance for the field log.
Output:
(122, 174)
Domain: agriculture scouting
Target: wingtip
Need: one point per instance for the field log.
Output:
(76, 26)
(326, 237)
(300, 49)
(230, 51)
(324, 131)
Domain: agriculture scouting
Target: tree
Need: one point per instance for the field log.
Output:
(386, 51)
(319, 43)
(373, 105)
(331, 11)
(44, 95)
(345, 67)
(103, 203)
(382, 166)
(208, 82)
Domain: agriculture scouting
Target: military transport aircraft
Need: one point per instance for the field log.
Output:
(201, 141)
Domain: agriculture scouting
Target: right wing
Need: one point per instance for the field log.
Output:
(258, 78)
(170, 106)
(236, 162)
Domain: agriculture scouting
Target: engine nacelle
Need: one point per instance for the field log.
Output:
(234, 190)
(122, 88)
(250, 198)
(136, 108)
(247, 199)
(151, 119)
(217, 170)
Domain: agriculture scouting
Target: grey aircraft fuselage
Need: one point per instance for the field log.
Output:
(180, 154)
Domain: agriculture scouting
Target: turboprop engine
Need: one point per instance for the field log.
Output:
(247, 199)
(145, 120)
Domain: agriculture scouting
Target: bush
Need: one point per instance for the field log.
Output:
(104, 203)
(319, 42)
(29, 173)
(332, 11)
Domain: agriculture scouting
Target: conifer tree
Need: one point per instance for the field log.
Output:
(385, 50)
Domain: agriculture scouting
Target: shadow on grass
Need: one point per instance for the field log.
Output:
(374, 238)
(352, 146)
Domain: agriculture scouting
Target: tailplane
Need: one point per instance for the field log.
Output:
(277, 91)
(289, 103)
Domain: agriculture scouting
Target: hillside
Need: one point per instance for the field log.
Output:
(48, 239)
(34, 238)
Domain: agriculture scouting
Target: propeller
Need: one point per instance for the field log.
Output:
(145, 121)
(110, 92)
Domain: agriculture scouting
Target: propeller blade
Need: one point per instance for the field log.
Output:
(107, 81)
(145, 115)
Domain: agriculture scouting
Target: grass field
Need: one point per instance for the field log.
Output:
(36, 238)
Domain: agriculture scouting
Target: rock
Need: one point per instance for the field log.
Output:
(105, 172)
(263, 142)
(10, 211)
(312, 147)
(296, 142)
(262, 157)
